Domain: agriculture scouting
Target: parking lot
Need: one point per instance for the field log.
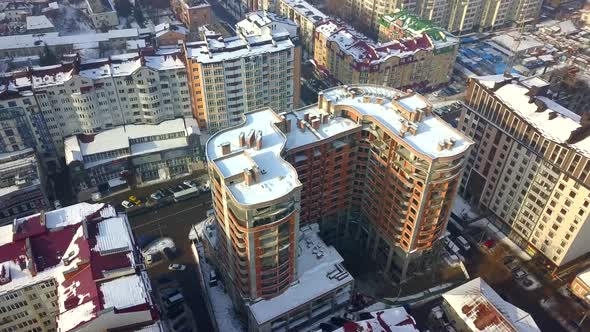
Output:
(175, 221)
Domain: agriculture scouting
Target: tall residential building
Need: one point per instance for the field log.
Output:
(231, 76)
(529, 168)
(22, 185)
(73, 269)
(525, 11)
(306, 16)
(86, 97)
(341, 152)
(417, 59)
(365, 14)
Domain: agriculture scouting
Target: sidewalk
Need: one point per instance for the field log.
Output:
(501, 237)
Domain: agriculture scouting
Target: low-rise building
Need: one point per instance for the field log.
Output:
(134, 154)
(259, 67)
(39, 24)
(475, 306)
(193, 13)
(167, 34)
(580, 286)
(391, 320)
(102, 13)
(13, 11)
(306, 16)
(73, 269)
(22, 185)
(530, 168)
(421, 60)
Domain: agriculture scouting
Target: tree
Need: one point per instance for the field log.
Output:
(124, 8)
(139, 18)
(48, 57)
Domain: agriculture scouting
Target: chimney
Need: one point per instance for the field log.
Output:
(288, 126)
(325, 119)
(255, 174)
(366, 99)
(379, 100)
(259, 140)
(251, 138)
(441, 146)
(248, 177)
(242, 139)
(30, 261)
(225, 148)
(306, 116)
(301, 124)
(315, 123)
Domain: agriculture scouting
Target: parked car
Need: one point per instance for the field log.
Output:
(157, 196)
(212, 278)
(519, 273)
(176, 267)
(206, 187)
(490, 243)
(127, 204)
(134, 200)
(463, 243)
(191, 183)
(527, 282)
(57, 204)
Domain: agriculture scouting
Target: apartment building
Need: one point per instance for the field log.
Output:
(86, 97)
(102, 13)
(22, 185)
(231, 76)
(421, 60)
(133, 154)
(193, 13)
(307, 17)
(525, 11)
(365, 14)
(529, 167)
(73, 269)
(340, 152)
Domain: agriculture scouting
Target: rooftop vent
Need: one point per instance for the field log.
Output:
(225, 148)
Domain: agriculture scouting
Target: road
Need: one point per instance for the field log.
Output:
(222, 13)
(174, 221)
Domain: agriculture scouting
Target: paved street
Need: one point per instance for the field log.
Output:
(174, 221)
(221, 13)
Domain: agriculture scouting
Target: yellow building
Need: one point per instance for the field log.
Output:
(421, 60)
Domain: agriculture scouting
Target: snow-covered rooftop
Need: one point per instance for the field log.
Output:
(555, 122)
(119, 138)
(124, 292)
(256, 22)
(384, 105)
(583, 276)
(220, 49)
(517, 42)
(319, 271)
(387, 320)
(307, 10)
(482, 309)
(277, 179)
(38, 23)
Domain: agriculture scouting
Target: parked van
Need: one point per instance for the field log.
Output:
(463, 243)
(212, 278)
(174, 299)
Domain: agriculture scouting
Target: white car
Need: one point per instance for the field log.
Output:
(127, 204)
(176, 267)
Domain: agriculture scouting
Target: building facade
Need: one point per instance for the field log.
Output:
(580, 286)
(79, 97)
(102, 13)
(306, 16)
(418, 61)
(133, 154)
(235, 75)
(22, 185)
(193, 13)
(529, 168)
(97, 285)
(341, 149)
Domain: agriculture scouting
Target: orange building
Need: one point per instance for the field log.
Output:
(368, 163)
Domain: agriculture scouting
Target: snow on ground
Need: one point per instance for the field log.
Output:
(462, 209)
(71, 21)
(492, 230)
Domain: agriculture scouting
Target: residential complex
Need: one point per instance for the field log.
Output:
(88, 96)
(73, 269)
(475, 306)
(193, 13)
(529, 167)
(335, 155)
(455, 16)
(22, 185)
(418, 59)
(230, 76)
(306, 16)
(133, 154)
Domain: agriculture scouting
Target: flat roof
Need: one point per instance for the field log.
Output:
(38, 22)
(315, 261)
(430, 131)
(278, 177)
(307, 10)
(392, 320)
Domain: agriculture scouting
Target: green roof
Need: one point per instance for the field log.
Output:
(414, 23)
